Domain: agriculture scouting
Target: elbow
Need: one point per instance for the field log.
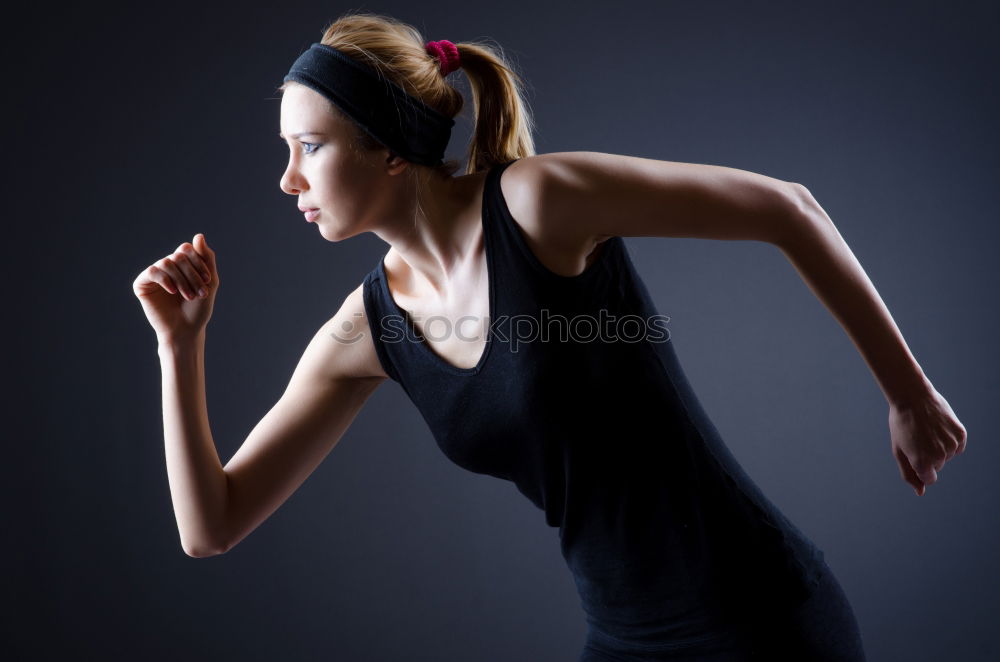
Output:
(203, 550)
(799, 202)
(801, 215)
(802, 203)
(201, 538)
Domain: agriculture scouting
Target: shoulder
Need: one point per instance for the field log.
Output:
(525, 182)
(534, 189)
(540, 185)
(590, 196)
(343, 345)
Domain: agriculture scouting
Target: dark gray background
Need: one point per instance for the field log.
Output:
(129, 129)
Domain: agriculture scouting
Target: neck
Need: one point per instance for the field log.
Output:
(436, 240)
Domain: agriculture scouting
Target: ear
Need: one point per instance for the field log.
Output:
(395, 163)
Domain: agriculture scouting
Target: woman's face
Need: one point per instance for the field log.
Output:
(324, 172)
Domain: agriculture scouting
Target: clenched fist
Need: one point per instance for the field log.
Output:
(924, 435)
(177, 292)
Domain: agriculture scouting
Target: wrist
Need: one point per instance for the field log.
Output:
(180, 342)
(915, 391)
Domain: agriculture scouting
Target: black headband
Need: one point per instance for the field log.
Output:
(384, 110)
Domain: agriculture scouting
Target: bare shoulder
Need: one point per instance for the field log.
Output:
(531, 189)
(586, 196)
(532, 184)
(343, 346)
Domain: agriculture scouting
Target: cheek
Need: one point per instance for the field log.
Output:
(346, 185)
(336, 170)
(350, 183)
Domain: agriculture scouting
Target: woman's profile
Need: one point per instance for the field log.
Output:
(509, 310)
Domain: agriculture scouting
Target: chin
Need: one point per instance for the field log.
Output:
(330, 235)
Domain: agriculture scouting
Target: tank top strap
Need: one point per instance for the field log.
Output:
(518, 281)
(514, 256)
(382, 322)
(393, 333)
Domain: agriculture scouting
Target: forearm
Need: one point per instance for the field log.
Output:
(198, 484)
(828, 266)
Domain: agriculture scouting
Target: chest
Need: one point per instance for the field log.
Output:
(456, 327)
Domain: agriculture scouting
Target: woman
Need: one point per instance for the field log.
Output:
(552, 368)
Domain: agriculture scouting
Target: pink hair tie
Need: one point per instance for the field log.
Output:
(446, 53)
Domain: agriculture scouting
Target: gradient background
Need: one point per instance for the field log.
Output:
(130, 128)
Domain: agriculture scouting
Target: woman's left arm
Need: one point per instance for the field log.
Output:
(924, 431)
(585, 196)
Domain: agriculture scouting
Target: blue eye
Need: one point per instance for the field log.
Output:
(315, 146)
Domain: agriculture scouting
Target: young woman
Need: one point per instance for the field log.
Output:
(508, 309)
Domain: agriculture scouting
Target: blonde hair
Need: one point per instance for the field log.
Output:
(502, 121)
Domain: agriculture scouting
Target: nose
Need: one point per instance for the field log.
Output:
(292, 181)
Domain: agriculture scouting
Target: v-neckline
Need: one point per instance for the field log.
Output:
(433, 356)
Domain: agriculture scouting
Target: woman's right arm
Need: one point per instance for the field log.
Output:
(215, 506)
(336, 375)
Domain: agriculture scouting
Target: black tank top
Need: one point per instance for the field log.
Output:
(666, 536)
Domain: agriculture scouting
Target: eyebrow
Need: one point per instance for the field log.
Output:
(299, 135)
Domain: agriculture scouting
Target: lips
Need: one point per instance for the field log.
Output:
(311, 214)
